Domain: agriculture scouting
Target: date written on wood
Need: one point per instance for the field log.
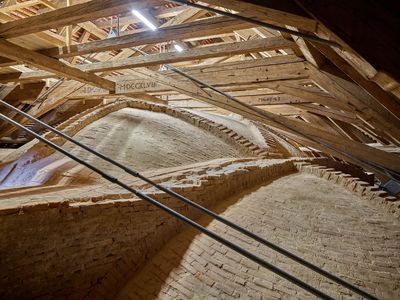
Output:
(279, 100)
(135, 86)
(269, 100)
(123, 87)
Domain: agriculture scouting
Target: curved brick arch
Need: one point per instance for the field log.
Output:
(79, 121)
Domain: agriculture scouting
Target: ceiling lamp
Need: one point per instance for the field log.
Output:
(144, 20)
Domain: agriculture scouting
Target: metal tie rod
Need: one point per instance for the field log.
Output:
(259, 23)
(199, 207)
(260, 261)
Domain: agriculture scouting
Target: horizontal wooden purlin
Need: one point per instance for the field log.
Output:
(200, 53)
(245, 72)
(163, 58)
(177, 32)
(252, 75)
(43, 62)
(242, 64)
(265, 96)
(72, 15)
(256, 99)
(204, 27)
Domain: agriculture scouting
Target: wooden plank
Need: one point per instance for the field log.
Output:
(177, 32)
(14, 95)
(25, 92)
(367, 107)
(310, 54)
(254, 97)
(72, 15)
(137, 86)
(229, 49)
(48, 4)
(369, 86)
(313, 135)
(182, 31)
(41, 61)
(370, 46)
(40, 38)
(324, 99)
(61, 94)
(329, 112)
(255, 72)
(18, 5)
(23, 77)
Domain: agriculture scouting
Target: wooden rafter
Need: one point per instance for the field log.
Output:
(73, 14)
(328, 89)
(43, 62)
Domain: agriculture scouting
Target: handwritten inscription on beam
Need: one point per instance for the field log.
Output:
(136, 86)
(280, 99)
(123, 87)
(92, 91)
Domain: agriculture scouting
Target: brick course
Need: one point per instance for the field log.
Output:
(75, 248)
(322, 222)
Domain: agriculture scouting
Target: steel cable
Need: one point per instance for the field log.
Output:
(199, 207)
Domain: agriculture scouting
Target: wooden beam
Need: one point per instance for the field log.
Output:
(68, 30)
(238, 73)
(273, 16)
(18, 5)
(177, 32)
(369, 86)
(230, 49)
(369, 39)
(294, 90)
(14, 95)
(309, 53)
(163, 34)
(25, 92)
(329, 112)
(253, 97)
(48, 4)
(60, 95)
(366, 107)
(43, 62)
(72, 15)
(163, 58)
(331, 143)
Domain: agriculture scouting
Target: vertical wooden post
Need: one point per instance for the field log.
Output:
(68, 32)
